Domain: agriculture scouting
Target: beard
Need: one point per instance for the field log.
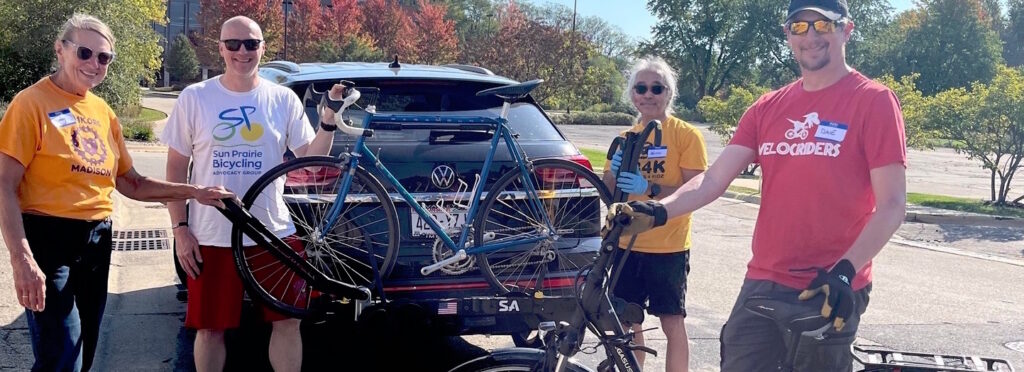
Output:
(815, 65)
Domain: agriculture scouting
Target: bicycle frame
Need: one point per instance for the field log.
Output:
(501, 132)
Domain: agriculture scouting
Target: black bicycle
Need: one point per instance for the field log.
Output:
(597, 311)
(799, 323)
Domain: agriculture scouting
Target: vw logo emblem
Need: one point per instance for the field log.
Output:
(443, 176)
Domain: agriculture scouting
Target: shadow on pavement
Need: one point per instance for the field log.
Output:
(389, 344)
(1001, 234)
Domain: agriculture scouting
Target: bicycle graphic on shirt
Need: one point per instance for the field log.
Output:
(800, 127)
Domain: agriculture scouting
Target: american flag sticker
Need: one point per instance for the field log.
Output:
(448, 308)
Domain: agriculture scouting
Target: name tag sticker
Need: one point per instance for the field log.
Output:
(828, 130)
(62, 118)
(657, 152)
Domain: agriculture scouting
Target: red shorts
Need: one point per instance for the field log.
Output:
(215, 297)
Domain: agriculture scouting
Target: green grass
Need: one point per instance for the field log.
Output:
(744, 190)
(596, 157)
(150, 115)
(962, 204)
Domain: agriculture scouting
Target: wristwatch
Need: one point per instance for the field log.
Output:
(180, 224)
(655, 190)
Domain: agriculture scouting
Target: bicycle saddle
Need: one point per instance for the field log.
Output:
(803, 317)
(511, 92)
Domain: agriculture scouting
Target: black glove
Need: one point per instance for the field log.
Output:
(835, 284)
(643, 215)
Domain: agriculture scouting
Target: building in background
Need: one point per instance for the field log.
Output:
(181, 19)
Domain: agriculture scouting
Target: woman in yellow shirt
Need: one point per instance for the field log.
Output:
(61, 157)
(654, 274)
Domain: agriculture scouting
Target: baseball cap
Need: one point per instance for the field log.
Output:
(831, 9)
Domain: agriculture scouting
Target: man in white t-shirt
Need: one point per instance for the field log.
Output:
(234, 128)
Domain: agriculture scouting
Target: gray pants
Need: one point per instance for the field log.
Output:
(753, 343)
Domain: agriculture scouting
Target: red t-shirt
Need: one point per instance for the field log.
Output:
(816, 150)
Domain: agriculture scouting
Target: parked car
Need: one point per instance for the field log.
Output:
(413, 155)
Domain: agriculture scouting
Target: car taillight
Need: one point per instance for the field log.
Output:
(581, 160)
(312, 176)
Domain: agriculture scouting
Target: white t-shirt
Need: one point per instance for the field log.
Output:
(233, 139)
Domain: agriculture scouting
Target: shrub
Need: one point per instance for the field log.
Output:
(3, 108)
(593, 118)
(136, 130)
(182, 62)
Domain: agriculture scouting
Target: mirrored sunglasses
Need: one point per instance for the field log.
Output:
(821, 26)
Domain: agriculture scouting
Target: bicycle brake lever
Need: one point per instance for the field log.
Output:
(632, 346)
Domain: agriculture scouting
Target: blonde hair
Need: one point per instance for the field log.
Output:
(85, 22)
(658, 66)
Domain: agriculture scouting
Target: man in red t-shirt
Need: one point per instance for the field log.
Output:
(833, 158)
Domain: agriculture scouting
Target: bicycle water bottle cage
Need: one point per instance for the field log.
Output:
(511, 93)
(799, 317)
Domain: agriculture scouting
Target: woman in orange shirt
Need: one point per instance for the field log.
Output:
(61, 157)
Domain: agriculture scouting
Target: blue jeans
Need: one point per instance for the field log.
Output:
(75, 257)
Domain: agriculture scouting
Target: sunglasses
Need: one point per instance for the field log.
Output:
(235, 44)
(642, 89)
(85, 54)
(821, 26)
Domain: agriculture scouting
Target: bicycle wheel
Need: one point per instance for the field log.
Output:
(571, 197)
(310, 186)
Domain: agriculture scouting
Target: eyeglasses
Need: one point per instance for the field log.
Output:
(85, 54)
(642, 89)
(235, 44)
(821, 26)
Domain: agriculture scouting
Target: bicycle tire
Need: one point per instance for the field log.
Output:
(311, 185)
(513, 360)
(574, 199)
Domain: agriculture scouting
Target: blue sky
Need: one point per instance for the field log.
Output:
(632, 15)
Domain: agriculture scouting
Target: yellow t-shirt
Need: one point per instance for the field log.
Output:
(682, 147)
(71, 148)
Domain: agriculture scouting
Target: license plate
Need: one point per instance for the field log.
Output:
(453, 220)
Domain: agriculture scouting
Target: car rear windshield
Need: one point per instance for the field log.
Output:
(440, 98)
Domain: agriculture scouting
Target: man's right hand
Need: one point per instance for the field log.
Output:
(188, 251)
(643, 215)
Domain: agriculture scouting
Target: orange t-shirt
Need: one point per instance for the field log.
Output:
(71, 148)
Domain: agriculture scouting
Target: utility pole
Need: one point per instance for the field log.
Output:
(287, 6)
(572, 61)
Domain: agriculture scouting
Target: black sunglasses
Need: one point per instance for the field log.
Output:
(235, 44)
(85, 54)
(642, 89)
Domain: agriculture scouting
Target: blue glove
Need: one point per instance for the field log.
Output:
(632, 183)
(616, 162)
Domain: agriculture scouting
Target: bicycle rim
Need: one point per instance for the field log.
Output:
(310, 186)
(575, 202)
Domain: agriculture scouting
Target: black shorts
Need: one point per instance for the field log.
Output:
(657, 277)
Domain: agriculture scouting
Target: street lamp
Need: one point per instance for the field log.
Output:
(287, 6)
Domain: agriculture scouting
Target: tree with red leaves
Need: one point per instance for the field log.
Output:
(437, 42)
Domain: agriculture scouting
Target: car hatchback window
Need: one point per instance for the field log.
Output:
(439, 98)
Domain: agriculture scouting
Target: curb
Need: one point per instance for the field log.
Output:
(950, 218)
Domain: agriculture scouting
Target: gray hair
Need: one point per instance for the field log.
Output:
(658, 66)
(85, 22)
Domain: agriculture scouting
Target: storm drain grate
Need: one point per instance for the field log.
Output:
(141, 240)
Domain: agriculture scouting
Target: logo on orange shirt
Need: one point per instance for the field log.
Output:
(88, 145)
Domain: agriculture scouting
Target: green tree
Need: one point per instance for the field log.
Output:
(988, 122)
(710, 42)
(30, 27)
(950, 44)
(182, 61)
(919, 130)
(724, 114)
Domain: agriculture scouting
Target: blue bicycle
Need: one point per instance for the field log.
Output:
(341, 222)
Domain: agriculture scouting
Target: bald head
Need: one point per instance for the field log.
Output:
(240, 27)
